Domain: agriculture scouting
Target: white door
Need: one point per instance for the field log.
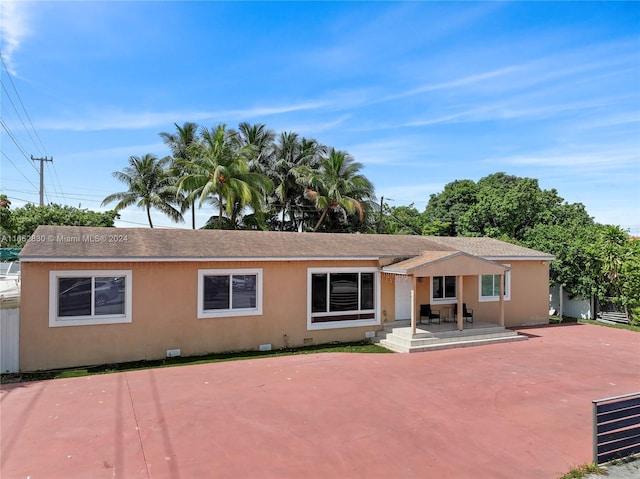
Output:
(403, 297)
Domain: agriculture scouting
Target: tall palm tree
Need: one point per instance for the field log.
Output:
(181, 145)
(150, 186)
(336, 185)
(220, 171)
(290, 153)
(259, 139)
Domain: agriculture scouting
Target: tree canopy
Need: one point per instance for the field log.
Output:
(592, 260)
(151, 185)
(254, 179)
(18, 225)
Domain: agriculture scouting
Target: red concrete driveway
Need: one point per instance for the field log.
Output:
(502, 411)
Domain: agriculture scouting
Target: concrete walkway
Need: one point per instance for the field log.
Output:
(500, 411)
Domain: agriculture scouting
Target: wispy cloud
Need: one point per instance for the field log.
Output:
(13, 29)
(120, 152)
(459, 82)
(122, 120)
(586, 159)
(310, 128)
(397, 151)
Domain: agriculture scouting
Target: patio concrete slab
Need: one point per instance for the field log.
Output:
(501, 411)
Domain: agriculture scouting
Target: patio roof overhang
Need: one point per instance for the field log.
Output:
(445, 263)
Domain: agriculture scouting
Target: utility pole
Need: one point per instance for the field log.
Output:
(380, 220)
(42, 160)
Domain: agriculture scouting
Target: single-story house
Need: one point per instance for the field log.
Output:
(108, 295)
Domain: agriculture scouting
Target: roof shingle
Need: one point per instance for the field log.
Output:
(68, 242)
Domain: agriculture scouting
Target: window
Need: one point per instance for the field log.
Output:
(443, 289)
(223, 293)
(489, 287)
(79, 298)
(342, 297)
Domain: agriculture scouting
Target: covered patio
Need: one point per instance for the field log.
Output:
(421, 270)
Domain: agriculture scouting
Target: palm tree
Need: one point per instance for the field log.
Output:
(181, 145)
(259, 139)
(336, 186)
(220, 171)
(290, 153)
(150, 186)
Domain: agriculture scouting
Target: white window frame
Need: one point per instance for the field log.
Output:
(346, 323)
(89, 320)
(444, 300)
(231, 312)
(507, 287)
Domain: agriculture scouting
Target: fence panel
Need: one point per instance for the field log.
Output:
(614, 433)
(9, 340)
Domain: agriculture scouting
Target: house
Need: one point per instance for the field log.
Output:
(103, 295)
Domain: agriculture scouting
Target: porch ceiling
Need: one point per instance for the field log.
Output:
(445, 263)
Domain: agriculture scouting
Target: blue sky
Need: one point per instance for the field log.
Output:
(421, 93)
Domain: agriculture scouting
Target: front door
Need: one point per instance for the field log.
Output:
(403, 297)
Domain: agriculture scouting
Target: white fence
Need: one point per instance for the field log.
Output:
(571, 307)
(9, 340)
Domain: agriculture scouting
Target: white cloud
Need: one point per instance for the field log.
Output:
(587, 159)
(119, 152)
(392, 151)
(122, 120)
(13, 29)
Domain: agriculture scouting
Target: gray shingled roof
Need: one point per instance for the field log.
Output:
(488, 247)
(70, 242)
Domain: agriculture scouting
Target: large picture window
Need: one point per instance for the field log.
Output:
(443, 289)
(342, 297)
(229, 292)
(489, 285)
(78, 298)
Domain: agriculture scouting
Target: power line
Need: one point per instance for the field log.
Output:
(16, 167)
(20, 118)
(55, 172)
(39, 145)
(15, 141)
(22, 104)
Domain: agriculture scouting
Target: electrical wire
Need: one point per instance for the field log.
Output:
(18, 170)
(39, 144)
(22, 104)
(16, 142)
(21, 120)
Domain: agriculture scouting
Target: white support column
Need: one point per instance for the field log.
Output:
(501, 287)
(460, 294)
(561, 294)
(413, 305)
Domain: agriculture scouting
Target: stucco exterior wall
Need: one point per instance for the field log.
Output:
(164, 315)
(529, 301)
(528, 304)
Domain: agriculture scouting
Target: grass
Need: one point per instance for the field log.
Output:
(355, 347)
(566, 320)
(584, 470)
(628, 327)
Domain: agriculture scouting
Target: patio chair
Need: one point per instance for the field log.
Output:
(430, 314)
(467, 314)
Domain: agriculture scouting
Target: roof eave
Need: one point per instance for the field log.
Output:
(154, 259)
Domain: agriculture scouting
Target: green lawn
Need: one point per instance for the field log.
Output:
(358, 347)
(628, 327)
